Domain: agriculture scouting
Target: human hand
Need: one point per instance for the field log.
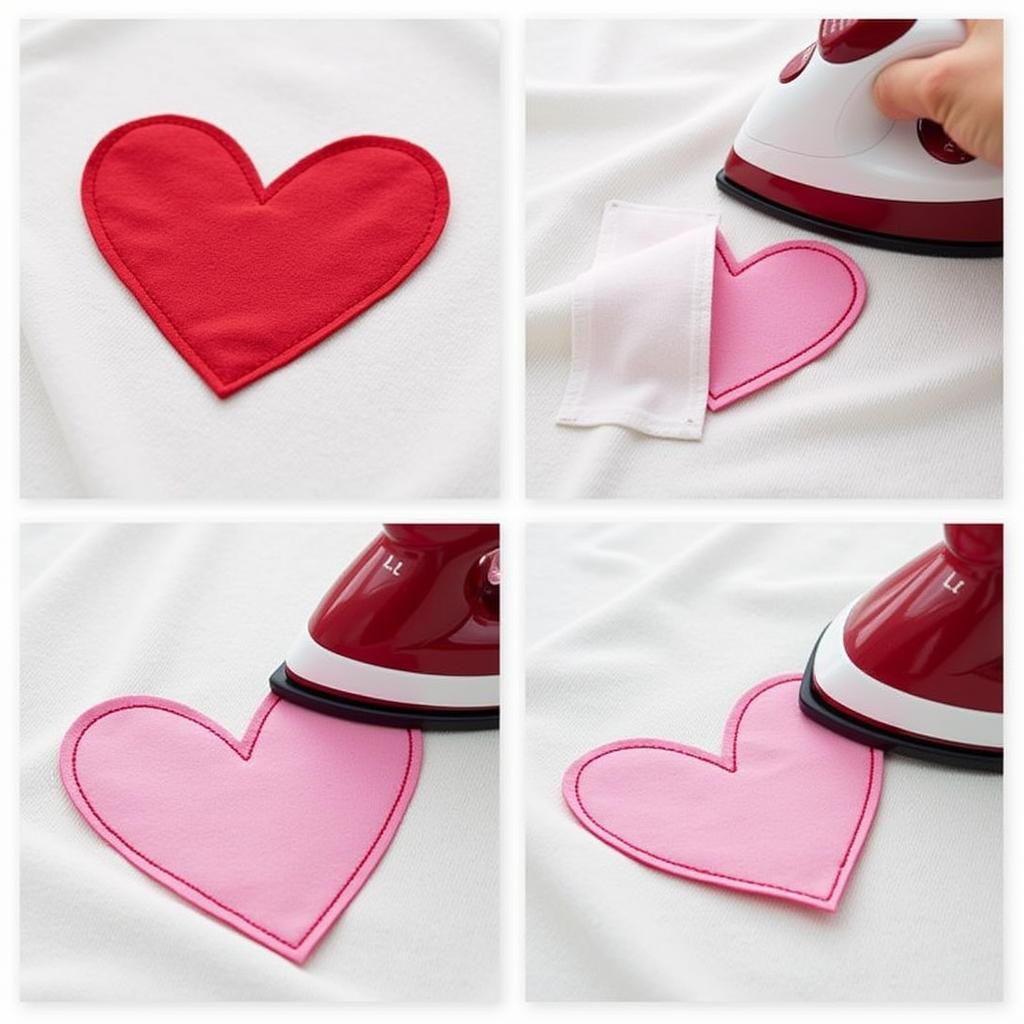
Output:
(961, 89)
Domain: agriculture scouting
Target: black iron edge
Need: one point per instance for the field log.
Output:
(812, 705)
(403, 718)
(894, 243)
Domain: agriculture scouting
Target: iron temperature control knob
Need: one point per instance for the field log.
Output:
(845, 40)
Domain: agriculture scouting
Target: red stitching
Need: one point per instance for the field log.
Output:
(245, 756)
(753, 263)
(717, 762)
(262, 196)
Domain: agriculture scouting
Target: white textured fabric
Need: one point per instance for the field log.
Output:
(203, 615)
(655, 630)
(641, 323)
(909, 405)
(401, 402)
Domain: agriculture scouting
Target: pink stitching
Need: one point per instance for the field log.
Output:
(245, 757)
(718, 763)
(263, 196)
(817, 341)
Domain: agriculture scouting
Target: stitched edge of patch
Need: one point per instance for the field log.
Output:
(298, 951)
(825, 341)
(730, 741)
(163, 322)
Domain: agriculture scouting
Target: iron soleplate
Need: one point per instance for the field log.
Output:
(380, 714)
(894, 243)
(815, 706)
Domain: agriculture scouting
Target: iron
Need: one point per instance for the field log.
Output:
(815, 151)
(915, 665)
(408, 635)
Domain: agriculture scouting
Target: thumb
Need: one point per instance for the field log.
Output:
(912, 88)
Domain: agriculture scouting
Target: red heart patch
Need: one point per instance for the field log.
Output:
(241, 279)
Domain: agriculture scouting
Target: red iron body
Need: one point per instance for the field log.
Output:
(408, 634)
(916, 664)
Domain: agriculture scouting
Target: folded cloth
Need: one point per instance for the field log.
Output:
(641, 323)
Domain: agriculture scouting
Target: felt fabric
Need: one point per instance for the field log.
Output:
(641, 324)
(909, 405)
(200, 614)
(402, 403)
(242, 278)
(653, 628)
(783, 811)
(653, 345)
(776, 311)
(274, 834)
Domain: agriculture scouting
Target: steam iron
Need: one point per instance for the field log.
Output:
(815, 151)
(408, 635)
(915, 666)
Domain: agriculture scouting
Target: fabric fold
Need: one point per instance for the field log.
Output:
(641, 323)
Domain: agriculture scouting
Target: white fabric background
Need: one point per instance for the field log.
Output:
(401, 402)
(202, 615)
(907, 405)
(656, 630)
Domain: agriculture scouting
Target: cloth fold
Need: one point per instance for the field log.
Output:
(641, 323)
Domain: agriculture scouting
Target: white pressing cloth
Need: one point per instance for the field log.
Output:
(641, 323)
(203, 615)
(908, 405)
(401, 402)
(655, 630)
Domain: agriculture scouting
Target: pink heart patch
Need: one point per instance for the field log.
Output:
(777, 311)
(273, 834)
(783, 811)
